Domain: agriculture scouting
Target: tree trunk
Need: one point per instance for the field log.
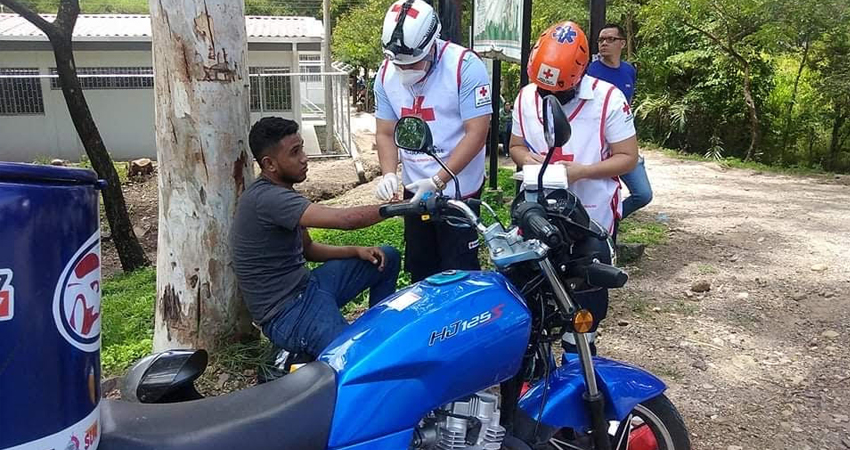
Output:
(751, 106)
(202, 118)
(130, 251)
(630, 36)
(834, 146)
(793, 102)
(59, 33)
(812, 137)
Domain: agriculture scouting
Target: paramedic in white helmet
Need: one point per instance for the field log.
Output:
(448, 87)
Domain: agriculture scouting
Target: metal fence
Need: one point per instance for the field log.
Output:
(273, 91)
(307, 89)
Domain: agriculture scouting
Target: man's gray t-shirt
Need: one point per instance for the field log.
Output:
(268, 253)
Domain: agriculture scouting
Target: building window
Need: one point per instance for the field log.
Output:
(110, 78)
(19, 94)
(310, 63)
(269, 92)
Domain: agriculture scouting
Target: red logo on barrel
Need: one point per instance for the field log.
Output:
(76, 304)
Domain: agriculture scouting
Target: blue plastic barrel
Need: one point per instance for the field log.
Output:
(49, 308)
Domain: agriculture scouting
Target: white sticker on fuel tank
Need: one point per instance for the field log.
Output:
(403, 301)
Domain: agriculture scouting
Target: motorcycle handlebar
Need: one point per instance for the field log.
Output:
(402, 209)
(605, 276)
(532, 221)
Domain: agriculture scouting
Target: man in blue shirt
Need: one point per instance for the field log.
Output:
(609, 67)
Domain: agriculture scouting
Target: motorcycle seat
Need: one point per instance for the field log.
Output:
(293, 412)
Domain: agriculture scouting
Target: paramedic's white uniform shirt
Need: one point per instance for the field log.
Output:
(599, 116)
(456, 89)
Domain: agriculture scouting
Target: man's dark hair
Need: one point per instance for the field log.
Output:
(267, 132)
(620, 31)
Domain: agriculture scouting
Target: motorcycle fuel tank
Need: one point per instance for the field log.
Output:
(439, 340)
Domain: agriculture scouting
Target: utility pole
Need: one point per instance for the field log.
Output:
(597, 21)
(450, 15)
(329, 95)
(526, 43)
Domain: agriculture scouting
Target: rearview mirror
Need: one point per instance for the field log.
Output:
(556, 131)
(556, 127)
(413, 134)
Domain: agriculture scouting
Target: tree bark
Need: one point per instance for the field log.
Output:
(60, 33)
(793, 101)
(751, 106)
(812, 137)
(630, 38)
(202, 118)
(834, 141)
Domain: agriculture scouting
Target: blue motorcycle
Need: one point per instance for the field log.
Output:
(461, 360)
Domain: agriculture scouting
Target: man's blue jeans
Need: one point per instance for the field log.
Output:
(313, 319)
(640, 192)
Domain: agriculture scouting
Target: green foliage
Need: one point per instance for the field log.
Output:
(691, 62)
(127, 312)
(357, 34)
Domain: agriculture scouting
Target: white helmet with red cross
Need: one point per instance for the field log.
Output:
(410, 29)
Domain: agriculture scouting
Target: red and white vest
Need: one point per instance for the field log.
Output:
(437, 101)
(597, 116)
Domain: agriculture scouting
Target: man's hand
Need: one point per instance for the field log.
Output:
(372, 254)
(387, 189)
(421, 187)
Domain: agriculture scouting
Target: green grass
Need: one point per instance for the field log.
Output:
(685, 307)
(639, 232)
(638, 305)
(127, 313)
(737, 163)
(501, 201)
(120, 166)
(706, 269)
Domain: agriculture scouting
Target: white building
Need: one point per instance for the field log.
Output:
(34, 120)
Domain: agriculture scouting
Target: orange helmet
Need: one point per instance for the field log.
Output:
(559, 58)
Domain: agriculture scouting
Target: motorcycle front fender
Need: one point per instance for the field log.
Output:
(623, 386)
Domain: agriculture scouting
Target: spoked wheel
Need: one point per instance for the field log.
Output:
(653, 425)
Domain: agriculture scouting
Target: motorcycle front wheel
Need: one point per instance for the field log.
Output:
(654, 424)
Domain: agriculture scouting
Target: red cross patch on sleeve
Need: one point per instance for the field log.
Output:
(482, 95)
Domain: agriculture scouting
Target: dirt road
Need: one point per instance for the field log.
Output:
(761, 360)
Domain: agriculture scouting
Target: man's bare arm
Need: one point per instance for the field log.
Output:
(387, 151)
(319, 216)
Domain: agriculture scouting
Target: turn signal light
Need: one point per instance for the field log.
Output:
(583, 321)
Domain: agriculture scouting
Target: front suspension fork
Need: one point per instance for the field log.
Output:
(592, 397)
